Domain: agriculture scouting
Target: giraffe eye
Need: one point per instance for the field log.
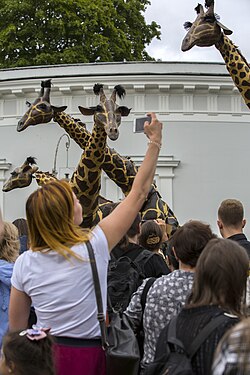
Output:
(42, 106)
(187, 25)
(209, 19)
(99, 108)
(28, 103)
(14, 173)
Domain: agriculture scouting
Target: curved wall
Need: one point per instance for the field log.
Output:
(205, 152)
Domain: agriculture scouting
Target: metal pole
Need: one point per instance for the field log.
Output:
(67, 144)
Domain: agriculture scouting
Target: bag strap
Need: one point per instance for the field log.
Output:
(98, 295)
(171, 334)
(146, 288)
(205, 332)
(202, 336)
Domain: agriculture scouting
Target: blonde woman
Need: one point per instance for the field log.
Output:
(56, 273)
(9, 251)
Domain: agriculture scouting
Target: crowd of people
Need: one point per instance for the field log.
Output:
(196, 277)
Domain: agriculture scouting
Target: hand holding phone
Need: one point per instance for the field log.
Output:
(139, 124)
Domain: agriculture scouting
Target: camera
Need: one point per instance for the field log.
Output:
(139, 124)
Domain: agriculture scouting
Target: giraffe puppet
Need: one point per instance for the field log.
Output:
(206, 31)
(118, 168)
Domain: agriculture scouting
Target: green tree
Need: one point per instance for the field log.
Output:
(45, 32)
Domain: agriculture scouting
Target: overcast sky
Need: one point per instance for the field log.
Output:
(171, 15)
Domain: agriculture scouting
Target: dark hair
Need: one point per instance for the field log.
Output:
(231, 212)
(189, 241)
(29, 357)
(22, 226)
(167, 249)
(134, 229)
(151, 235)
(221, 275)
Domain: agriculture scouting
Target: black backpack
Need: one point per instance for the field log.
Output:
(124, 278)
(175, 359)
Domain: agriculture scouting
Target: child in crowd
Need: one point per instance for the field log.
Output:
(27, 352)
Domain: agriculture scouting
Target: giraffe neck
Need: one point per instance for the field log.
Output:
(237, 67)
(120, 170)
(86, 180)
(43, 178)
(75, 129)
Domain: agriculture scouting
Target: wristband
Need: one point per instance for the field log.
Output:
(155, 143)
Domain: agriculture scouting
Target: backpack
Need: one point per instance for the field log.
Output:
(175, 359)
(124, 278)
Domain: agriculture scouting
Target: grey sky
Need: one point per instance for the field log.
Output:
(171, 15)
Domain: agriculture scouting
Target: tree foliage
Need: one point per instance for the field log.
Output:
(45, 32)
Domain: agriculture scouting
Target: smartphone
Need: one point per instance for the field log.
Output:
(139, 124)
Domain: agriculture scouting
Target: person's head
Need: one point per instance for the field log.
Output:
(221, 275)
(22, 226)
(171, 260)
(23, 356)
(235, 342)
(54, 213)
(150, 235)
(9, 244)
(189, 241)
(132, 233)
(230, 216)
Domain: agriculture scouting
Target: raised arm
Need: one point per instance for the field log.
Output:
(118, 222)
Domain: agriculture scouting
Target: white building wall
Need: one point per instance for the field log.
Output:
(205, 153)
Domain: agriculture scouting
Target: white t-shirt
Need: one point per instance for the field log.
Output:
(62, 291)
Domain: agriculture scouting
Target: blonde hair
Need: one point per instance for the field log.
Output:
(50, 216)
(9, 245)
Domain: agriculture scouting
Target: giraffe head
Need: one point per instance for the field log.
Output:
(107, 113)
(21, 176)
(205, 31)
(40, 111)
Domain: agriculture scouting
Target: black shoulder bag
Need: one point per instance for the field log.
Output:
(119, 340)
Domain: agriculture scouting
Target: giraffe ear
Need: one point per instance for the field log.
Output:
(124, 111)
(87, 111)
(58, 109)
(224, 28)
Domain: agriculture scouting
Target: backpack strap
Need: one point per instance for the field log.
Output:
(171, 334)
(146, 288)
(144, 256)
(202, 336)
(205, 332)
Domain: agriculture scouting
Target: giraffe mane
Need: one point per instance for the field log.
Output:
(121, 92)
(31, 160)
(208, 3)
(198, 8)
(46, 84)
(97, 88)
